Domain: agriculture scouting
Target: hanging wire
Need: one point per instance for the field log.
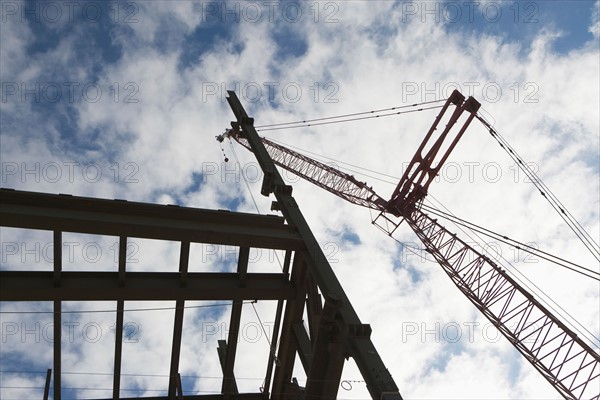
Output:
(348, 119)
(322, 157)
(114, 310)
(237, 160)
(569, 219)
(351, 114)
(590, 273)
(487, 232)
(272, 346)
(526, 282)
(539, 291)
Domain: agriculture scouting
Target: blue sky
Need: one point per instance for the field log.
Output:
(124, 99)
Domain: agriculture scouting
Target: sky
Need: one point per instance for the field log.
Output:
(124, 100)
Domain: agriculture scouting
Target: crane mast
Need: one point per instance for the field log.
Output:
(570, 365)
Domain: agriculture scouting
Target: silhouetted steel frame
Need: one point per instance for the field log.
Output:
(65, 213)
(378, 379)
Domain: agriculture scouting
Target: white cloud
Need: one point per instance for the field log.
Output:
(548, 110)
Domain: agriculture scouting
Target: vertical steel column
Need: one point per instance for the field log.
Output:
(47, 386)
(228, 385)
(119, 322)
(328, 360)
(275, 336)
(184, 256)
(57, 315)
(288, 345)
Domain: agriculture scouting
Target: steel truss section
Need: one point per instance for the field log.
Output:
(334, 331)
(320, 174)
(565, 360)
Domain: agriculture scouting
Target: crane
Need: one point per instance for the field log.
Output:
(566, 361)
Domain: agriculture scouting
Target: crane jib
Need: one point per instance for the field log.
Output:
(426, 164)
(568, 363)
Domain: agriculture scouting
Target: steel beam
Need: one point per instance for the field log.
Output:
(275, 336)
(313, 307)
(119, 322)
(118, 350)
(326, 368)
(104, 286)
(30, 210)
(305, 348)
(241, 396)
(379, 381)
(227, 388)
(57, 338)
(288, 345)
(47, 385)
(231, 384)
(55, 283)
(184, 255)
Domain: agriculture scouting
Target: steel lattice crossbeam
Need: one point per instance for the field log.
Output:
(334, 331)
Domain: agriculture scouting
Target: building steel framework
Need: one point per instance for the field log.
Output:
(306, 283)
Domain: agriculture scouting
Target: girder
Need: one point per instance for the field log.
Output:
(105, 286)
(325, 176)
(566, 361)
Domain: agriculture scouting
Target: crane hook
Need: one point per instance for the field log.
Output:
(220, 138)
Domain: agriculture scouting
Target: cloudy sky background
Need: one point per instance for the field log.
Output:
(123, 100)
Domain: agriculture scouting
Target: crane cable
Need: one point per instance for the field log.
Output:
(575, 226)
(569, 219)
(308, 123)
(531, 175)
(591, 338)
(351, 114)
(590, 273)
(575, 325)
(272, 346)
(494, 235)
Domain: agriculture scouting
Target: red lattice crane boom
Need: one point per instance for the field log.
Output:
(566, 361)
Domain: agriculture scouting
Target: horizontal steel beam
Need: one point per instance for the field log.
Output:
(19, 209)
(105, 286)
(241, 396)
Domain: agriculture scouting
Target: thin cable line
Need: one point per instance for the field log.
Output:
(271, 347)
(509, 241)
(569, 219)
(528, 249)
(349, 119)
(341, 162)
(114, 310)
(237, 160)
(261, 324)
(123, 374)
(251, 195)
(166, 376)
(513, 271)
(351, 114)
